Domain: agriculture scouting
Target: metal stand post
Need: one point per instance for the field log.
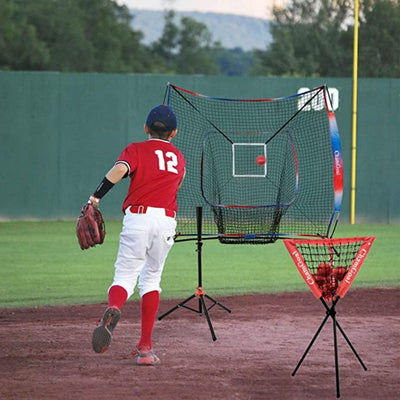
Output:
(200, 294)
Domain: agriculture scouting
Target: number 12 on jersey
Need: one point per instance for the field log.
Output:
(167, 161)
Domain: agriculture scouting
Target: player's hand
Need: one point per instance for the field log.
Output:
(90, 227)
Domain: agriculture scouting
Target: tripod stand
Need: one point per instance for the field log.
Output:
(331, 312)
(200, 294)
(334, 263)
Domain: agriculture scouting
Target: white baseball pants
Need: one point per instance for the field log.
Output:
(144, 244)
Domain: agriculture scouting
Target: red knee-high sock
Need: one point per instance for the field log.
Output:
(150, 303)
(117, 296)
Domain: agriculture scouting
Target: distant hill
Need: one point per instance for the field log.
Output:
(231, 30)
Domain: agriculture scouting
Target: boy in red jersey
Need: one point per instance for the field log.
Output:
(156, 169)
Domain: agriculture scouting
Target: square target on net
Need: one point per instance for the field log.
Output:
(249, 160)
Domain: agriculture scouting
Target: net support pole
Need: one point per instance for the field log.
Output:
(200, 294)
(354, 119)
(336, 352)
(199, 243)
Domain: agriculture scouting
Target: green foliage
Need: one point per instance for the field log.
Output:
(165, 48)
(73, 35)
(20, 46)
(307, 40)
(316, 39)
(42, 264)
(233, 62)
(379, 39)
(310, 38)
(184, 48)
(194, 44)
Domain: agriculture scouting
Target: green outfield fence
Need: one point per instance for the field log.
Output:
(61, 132)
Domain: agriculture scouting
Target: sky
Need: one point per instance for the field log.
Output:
(249, 8)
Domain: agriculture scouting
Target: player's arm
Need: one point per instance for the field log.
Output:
(113, 176)
(183, 177)
(117, 172)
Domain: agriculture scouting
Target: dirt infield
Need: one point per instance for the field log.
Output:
(46, 352)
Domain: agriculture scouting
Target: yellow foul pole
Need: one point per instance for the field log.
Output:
(354, 119)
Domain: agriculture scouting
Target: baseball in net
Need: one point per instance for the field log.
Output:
(329, 266)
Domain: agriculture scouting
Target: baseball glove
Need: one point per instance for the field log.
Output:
(90, 227)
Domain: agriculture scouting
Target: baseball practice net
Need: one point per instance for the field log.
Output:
(293, 189)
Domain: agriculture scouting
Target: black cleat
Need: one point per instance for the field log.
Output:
(102, 335)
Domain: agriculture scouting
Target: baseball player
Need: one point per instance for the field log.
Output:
(156, 169)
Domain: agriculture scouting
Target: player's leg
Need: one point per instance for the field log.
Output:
(117, 296)
(102, 335)
(133, 246)
(149, 286)
(130, 260)
(144, 349)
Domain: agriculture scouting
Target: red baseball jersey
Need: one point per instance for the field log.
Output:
(156, 168)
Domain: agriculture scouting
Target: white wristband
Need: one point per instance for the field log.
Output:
(94, 200)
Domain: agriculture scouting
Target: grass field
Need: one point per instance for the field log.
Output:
(42, 264)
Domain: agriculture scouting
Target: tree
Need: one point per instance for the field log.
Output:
(184, 48)
(116, 46)
(59, 25)
(379, 39)
(315, 38)
(195, 43)
(233, 62)
(70, 35)
(309, 39)
(20, 46)
(164, 50)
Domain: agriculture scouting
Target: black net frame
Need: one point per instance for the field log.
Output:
(296, 192)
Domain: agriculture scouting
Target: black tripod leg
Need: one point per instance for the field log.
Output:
(203, 303)
(310, 345)
(351, 346)
(181, 304)
(332, 312)
(200, 294)
(218, 303)
(336, 357)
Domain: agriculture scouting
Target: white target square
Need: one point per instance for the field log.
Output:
(247, 160)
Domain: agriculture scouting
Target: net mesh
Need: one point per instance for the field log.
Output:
(245, 201)
(329, 263)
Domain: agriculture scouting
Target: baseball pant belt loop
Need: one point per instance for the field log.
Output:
(143, 209)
